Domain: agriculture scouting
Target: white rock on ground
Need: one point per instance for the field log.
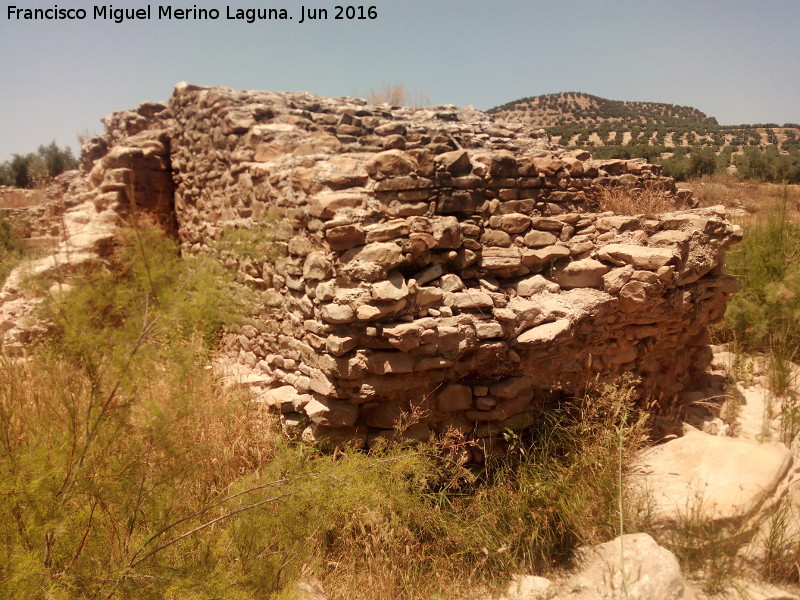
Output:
(630, 567)
(723, 477)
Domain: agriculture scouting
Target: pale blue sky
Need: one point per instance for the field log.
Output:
(737, 61)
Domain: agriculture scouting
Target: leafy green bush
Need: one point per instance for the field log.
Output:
(115, 428)
(677, 167)
(89, 469)
(702, 161)
(769, 164)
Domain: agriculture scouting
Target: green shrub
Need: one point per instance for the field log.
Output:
(145, 288)
(90, 469)
(115, 429)
(35, 169)
(411, 523)
(10, 247)
(766, 264)
(702, 161)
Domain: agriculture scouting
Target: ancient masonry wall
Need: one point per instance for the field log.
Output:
(432, 261)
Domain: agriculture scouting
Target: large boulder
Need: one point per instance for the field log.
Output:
(723, 478)
(630, 567)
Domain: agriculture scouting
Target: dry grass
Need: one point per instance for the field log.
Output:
(92, 467)
(398, 95)
(754, 197)
(625, 200)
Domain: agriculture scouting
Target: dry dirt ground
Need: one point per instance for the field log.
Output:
(747, 199)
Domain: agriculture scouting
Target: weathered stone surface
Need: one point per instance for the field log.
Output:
(372, 261)
(456, 163)
(379, 310)
(650, 571)
(337, 313)
(640, 257)
(394, 288)
(339, 345)
(488, 330)
(515, 223)
(725, 478)
(450, 282)
(547, 165)
(454, 398)
(630, 567)
(389, 230)
(404, 336)
(547, 224)
(544, 334)
(545, 255)
(391, 163)
(616, 278)
(494, 258)
(446, 233)
(511, 388)
(633, 294)
(495, 237)
(428, 274)
(468, 299)
(286, 398)
(331, 413)
(326, 204)
(345, 237)
(581, 273)
(317, 266)
(619, 223)
(383, 363)
(385, 415)
(538, 239)
(429, 295)
(535, 284)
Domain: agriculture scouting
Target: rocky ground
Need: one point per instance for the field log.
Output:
(726, 494)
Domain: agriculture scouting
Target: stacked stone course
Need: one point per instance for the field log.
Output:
(429, 261)
(438, 263)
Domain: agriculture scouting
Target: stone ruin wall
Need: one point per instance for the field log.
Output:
(435, 260)
(428, 260)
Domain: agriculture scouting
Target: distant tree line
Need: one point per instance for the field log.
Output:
(35, 169)
(754, 162)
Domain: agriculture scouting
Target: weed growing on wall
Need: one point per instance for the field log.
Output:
(624, 200)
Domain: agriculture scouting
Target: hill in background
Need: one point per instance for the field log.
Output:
(575, 118)
(686, 141)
